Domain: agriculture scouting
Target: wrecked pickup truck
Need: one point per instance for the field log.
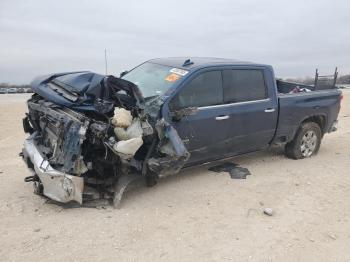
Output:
(92, 135)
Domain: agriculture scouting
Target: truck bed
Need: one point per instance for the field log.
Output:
(294, 108)
(284, 87)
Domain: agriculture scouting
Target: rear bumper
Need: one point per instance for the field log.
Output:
(57, 185)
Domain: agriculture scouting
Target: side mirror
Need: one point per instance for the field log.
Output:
(178, 114)
(123, 74)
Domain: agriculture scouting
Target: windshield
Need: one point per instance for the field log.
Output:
(154, 79)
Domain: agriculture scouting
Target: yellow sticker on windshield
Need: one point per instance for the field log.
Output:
(172, 77)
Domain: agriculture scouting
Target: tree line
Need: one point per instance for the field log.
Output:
(6, 85)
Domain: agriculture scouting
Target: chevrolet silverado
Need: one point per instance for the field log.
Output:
(91, 135)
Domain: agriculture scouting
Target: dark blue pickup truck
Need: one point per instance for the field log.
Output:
(91, 135)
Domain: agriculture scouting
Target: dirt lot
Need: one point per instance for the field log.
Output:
(195, 215)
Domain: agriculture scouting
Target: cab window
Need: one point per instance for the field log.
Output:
(204, 90)
(241, 85)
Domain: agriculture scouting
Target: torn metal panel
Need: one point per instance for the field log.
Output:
(171, 145)
(166, 166)
(167, 133)
(57, 185)
(62, 135)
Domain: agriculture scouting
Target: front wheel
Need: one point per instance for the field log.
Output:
(306, 142)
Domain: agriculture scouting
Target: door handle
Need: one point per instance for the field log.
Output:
(222, 117)
(269, 110)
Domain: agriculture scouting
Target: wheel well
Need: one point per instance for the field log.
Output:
(320, 120)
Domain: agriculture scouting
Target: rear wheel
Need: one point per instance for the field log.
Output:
(306, 142)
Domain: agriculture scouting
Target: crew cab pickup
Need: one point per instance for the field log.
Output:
(92, 135)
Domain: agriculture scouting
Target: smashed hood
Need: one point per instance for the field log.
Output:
(88, 91)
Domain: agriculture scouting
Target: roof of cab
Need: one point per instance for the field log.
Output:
(199, 62)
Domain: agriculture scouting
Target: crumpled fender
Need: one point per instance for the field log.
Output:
(172, 146)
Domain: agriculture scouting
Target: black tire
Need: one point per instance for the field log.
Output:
(296, 148)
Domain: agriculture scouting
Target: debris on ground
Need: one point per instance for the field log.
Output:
(235, 171)
(332, 236)
(268, 211)
(310, 239)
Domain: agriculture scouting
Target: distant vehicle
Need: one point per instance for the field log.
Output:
(94, 133)
(3, 91)
(11, 90)
(344, 86)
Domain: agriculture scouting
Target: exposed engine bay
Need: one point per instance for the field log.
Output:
(92, 135)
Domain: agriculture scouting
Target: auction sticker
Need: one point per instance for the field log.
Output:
(179, 71)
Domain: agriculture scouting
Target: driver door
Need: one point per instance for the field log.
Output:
(205, 132)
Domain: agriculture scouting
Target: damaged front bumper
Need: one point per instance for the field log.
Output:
(57, 185)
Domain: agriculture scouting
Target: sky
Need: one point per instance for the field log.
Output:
(295, 37)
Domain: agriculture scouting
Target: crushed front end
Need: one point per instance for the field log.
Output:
(92, 135)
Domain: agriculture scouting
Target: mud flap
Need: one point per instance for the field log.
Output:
(121, 186)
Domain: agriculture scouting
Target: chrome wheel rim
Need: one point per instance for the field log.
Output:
(308, 143)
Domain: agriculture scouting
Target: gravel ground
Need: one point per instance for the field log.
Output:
(195, 215)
